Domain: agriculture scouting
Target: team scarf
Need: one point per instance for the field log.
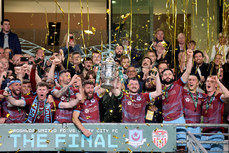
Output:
(33, 113)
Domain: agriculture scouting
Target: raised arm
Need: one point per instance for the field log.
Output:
(59, 93)
(117, 87)
(13, 101)
(158, 91)
(187, 72)
(71, 103)
(224, 90)
(55, 62)
(79, 125)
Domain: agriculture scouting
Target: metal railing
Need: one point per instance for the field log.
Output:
(194, 145)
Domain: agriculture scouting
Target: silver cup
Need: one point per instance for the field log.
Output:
(108, 73)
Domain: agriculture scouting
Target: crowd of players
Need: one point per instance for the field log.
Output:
(65, 89)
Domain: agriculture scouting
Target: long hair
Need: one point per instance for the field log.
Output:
(66, 39)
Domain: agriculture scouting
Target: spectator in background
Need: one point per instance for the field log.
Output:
(125, 62)
(200, 68)
(118, 51)
(76, 65)
(221, 47)
(152, 55)
(69, 45)
(191, 45)
(96, 58)
(8, 38)
(159, 38)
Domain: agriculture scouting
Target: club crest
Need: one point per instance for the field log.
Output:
(160, 138)
(135, 138)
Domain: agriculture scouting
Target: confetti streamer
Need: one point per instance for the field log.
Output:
(131, 27)
(88, 26)
(68, 30)
(82, 31)
(46, 21)
(208, 28)
(58, 4)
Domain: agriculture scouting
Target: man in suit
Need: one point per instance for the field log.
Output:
(8, 38)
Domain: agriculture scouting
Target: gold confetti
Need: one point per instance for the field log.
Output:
(97, 128)
(147, 124)
(108, 11)
(148, 144)
(156, 129)
(115, 137)
(65, 143)
(7, 115)
(164, 44)
(47, 141)
(35, 131)
(0, 136)
(127, 142)
(161, 125)
(17, 150)
(115, 149)
(111, 111)
(51, 130)
(10, 131)
(124, 135)
(126, 127)
(33, 105)
(130, 150)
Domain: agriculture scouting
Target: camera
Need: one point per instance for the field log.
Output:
(71, 37)
(24, 59)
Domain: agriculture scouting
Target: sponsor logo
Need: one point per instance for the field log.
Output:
(92, 100)
(187, 99)
(86, 111)
(135, 138)
(62, 98)
(139, 98)
(160, 138)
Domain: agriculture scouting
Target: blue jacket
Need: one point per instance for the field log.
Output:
(14, 43)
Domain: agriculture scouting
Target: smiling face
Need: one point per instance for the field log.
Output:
(167, 77)
(96, 58)
(198, 58)
(193, 83)
(133, 86)
(218, 59)
(89, 90)
(26, 88)
(146, 63)
(152, 56)
(15, 89)
(65, 78)
(131, 72)
(42, 92)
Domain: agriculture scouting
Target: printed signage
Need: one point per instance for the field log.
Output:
(105, 137)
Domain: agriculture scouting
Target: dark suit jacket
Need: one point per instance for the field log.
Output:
(14, 43)
(204, 68)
